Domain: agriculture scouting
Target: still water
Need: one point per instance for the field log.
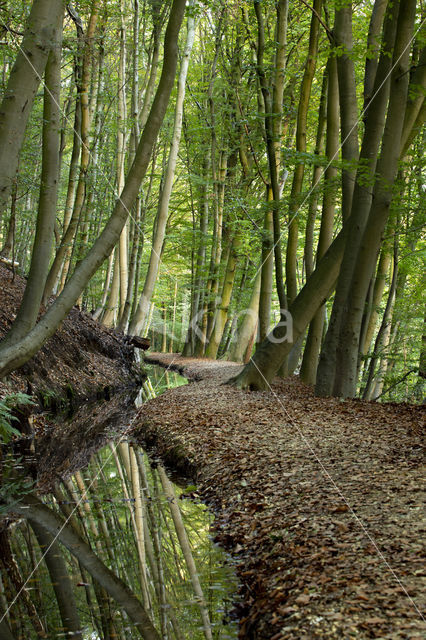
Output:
(148, 532)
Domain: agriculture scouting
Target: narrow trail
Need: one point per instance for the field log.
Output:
(319, 501)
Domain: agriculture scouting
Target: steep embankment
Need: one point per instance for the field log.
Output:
(84, 381)
(318, 500)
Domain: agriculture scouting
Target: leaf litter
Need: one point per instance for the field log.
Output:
(320, 501)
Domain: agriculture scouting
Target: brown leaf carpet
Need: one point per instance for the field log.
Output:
(319, 501)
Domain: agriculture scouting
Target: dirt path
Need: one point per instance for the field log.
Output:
(318, 500)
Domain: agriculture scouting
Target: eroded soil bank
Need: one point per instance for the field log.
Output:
(318, 500)
(83, 381)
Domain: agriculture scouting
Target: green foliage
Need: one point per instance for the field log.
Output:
(7, 431)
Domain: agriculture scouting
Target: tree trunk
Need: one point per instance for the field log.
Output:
(222, 310)
(348, 347)
(9, 242)
(197, 298)
(139, 317)
(244, 334)
(316, 177)
(270, 130)
(43, 242)
(299, 170)
(110, 315)
(60, 580)
(63, 255)
(308, 370)
(372, 313)
(373, 391)
(121, 156)
(40, 38)
(267, 271)
(348, 102)
(361, 202)
(270, 355)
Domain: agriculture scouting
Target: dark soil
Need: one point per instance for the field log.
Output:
(83, 382)
(319, 500)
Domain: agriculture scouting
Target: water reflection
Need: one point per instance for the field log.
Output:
(141, 527)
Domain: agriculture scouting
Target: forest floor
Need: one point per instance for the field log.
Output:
(318, 500)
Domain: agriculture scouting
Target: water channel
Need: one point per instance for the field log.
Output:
(147, 531)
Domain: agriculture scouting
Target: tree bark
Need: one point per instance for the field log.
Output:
(308, 369)
(267, 270)
(43, 241)
(225, 299)
(270, 130)
(299, 170)
(361, 202)
(40, 38)
(63, 255)
(139, 317)
(348, 103)
(346, 376)
(60, 580)
(244, 334)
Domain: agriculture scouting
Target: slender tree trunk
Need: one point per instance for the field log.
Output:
(139, 317)
(270, 138)
(186, 550)
(9, 242)
(348, 102)
(63, 255)
(216, 253)
(296, 189)
(377, 294)
(121, 156)
(313, 343)
(316, 176)
(267, 271)
(248, 326)
(43, 242)
(374, 385)
(60, 580)
(132, 282)
(197, 301)
(222, 310)
(40, 38)
(110, 316)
